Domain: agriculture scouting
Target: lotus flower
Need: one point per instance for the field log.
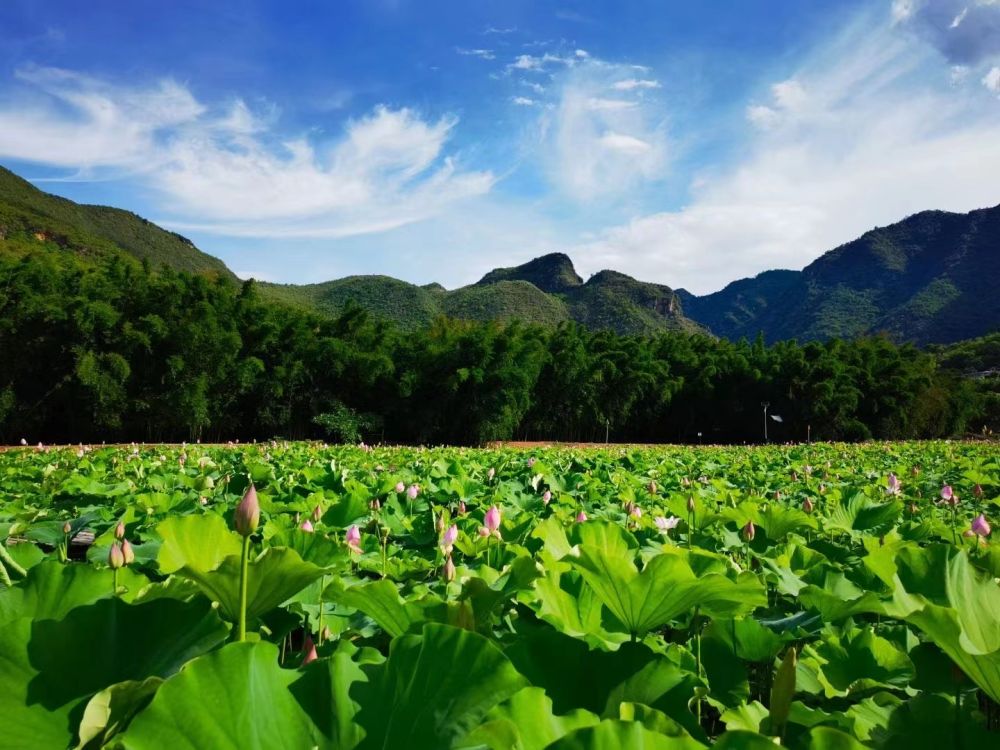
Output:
(581, 517)
(808, 506)
(400, 488)
(949, 496)
(413, 491)
(115, 557)
(977, 491)
(462, 510)
(307, 526)
(309, 650)
(892, 484)
(247, 515)
(375, 504)
(546, 497)
(353, 539)
(24, 441)
(128, 555)
(749, 531)
(449, 570)
(635, 511)
(448, 539)
(491, 473)
(492, 521)
(980, 526)
(651, 487)
(666, 524)
(120, 530)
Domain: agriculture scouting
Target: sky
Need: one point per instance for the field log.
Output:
(686, 143)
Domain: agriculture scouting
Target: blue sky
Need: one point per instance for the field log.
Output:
(688, 143)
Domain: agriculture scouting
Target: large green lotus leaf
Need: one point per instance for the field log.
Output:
(778, 522)
(526, 721)
(200, 543)
(312, 547)
(556, 544)
(857, 660)
(862, 515)
(839, 598)
(746, 639)
(110, 710)
(49, 668)
(827, 738)
(930, 722)
(746, 716)
(609, 538)
(237, 698)
(659, 722)
(51, 589)
(274, 577)
(666, 588)
(433, 689)
(614, 734)
(661, 685)
(572, 607)
(743, 740)
(485, 598)
(380, 600)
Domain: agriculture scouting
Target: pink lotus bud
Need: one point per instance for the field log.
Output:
(413, 491)
(546, 497)
(450, 535)
(749, 532)
(483, 531)
(807, 505)
(491, 473)
(449, 570)
(317, 513)
(327, 633)
(247, 516)
(461, 507)
(120, 530)
(67, 528)
(892, 484)
(375, 504)
(651, 487)
(307, 526)
(115, 557)
(690, 503)
(353, 539)
(949, 496)
(309, 651)
(635, 511)
(980, 526)
(977, 491)
(581, 517)
(128, 555)
(400, 488)
(439, 523)
(777, 494)
(493, 519)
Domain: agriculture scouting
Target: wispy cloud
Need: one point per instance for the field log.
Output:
(967, 32)
(630, 84)
(522, 101)
(866, 130)
(230, 170)
(484, 54)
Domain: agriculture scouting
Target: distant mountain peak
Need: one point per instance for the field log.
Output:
(552, 273)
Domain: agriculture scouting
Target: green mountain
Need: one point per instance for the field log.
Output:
(32, 219)
(931, 278)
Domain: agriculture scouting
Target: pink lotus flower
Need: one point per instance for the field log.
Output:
(448, 539)
(581, 517)
(413, 491)
(400, 488)
(635, 511)
(128, 555)
(115, 557)
(808, 506)
(491, 473)
(247, 516)
(949, 496)
(893, 484)
(306, 526)
(309, 650)
(492, 521)
(353, 539)
(462, 510)
(666, 524)
(749, 531)
(546, 497)
(980, 526)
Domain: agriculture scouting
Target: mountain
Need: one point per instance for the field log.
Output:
(30, 218)
(930, 278)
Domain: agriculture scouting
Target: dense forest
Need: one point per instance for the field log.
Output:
(112, 350)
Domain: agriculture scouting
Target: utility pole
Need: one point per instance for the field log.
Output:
(607, 430)
(765, 404)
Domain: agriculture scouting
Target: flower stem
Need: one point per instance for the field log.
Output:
(322, 586)
(241, 632)
(114, 582)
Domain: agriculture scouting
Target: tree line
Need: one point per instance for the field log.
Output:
(111, 350)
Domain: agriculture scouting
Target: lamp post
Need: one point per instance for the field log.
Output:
(765, 404)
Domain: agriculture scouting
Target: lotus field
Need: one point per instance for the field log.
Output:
(303, 596)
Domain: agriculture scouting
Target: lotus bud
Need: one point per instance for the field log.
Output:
(913, 509)
(980, 526)
(915, 471)
(67, 528)
(375, 504)
(892, 484)
(448, 539)
(449, 570)
(635, 511)
(439, 523)
(807, 505)
(247, 516)
(462, 510)
(483, 531)
(546, 497)
(651, 487)
(327, 633)
(400, 488)
(491, 473)
(493, 519)
(977, 491)
(581, 517)
(948, 495)
(749, 532)
(120, 530)
(115, 557)
(822, 489)
(128, 555)
(309, 651)
(690, 503)
(306, 526)
(353, 539)
(317, 513)
(777, 495)
(413, 491)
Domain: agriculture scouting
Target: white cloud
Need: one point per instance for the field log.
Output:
(630, 84)
(523, 101)
(538, 63)
(966, 32)
(864, 133)
(536, 87)
(992, 79)
(599, 104)
(485, 54)
(227, 170)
